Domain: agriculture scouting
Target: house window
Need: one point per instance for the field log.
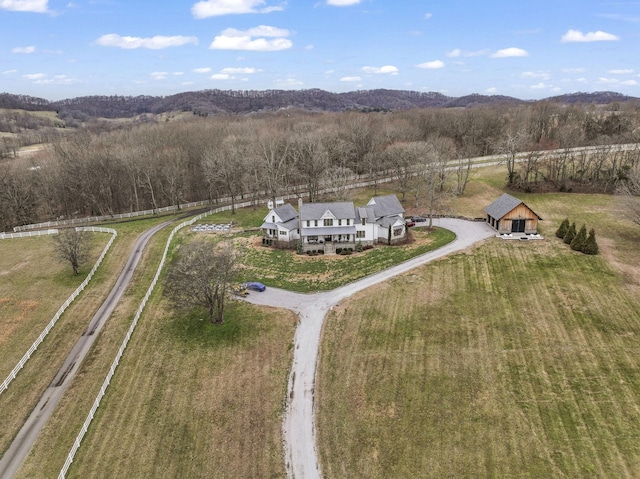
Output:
(316, 222)
(308, 223)
(312, 239)
(339, 222)
(364, 221)
(397, 232)
(273, 219)
(328, 222)
(360, 234)
(283, 233)
(348, 221)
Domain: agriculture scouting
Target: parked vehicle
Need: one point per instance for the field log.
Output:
(418, 219)
(409, 223)
(256, 286)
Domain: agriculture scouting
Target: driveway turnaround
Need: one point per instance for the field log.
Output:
(299, 422)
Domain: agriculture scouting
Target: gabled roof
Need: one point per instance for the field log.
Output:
(504, 205)
(386, 205)
(365, 213)
(286, 212)
(390, 221)
(315, 211)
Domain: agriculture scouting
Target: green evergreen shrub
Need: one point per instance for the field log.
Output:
(579, 239)
(562, 230)
(570, 234)
(590, 245)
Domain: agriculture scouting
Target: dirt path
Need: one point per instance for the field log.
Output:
(299, 422)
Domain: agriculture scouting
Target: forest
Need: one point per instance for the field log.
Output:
(118, 167)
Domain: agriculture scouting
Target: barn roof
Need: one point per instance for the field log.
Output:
(504, 205)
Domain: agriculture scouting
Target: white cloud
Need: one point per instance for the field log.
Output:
(538, 86)
(434, 65)
(159, 75)
(26, 50)
(427, 16)
(202, 70)
(342, 3)
(350, 79)
(625, 71)
(510, 52)
(43, 79)
(615, 81)
(220, 76)
(35, 76)
(34, 6)
(232, 39)
(491, 90)
(541, 75)
(574, 70)
(577, 36)
(9, 72)
(387, 69)
(241, 71)
(288, 82)
(456, 53)
(214, 8)
(153, 43)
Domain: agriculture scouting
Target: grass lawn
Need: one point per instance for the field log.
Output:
(512, 360)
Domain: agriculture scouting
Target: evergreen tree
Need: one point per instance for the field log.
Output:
(590, 245)
(570, 234)
(562, 230)
(578, 241)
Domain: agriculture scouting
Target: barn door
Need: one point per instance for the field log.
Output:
(517, 226)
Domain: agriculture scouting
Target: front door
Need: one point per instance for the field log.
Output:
(517, 226)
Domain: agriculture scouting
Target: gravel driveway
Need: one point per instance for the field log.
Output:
(299, 422)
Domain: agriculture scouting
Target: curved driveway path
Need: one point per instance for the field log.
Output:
(299, 422)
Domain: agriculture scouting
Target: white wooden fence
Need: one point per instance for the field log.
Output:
(125, 342)
(74, 295)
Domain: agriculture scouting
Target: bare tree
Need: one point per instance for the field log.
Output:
(629, 191)
(72, 246)
(510, 145)
(202, 276)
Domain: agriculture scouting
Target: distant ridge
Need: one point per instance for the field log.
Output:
(212, 102)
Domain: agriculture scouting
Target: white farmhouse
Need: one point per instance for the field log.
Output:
(328, 226)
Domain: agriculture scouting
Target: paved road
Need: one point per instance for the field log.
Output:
(299, 422)
(24, 440)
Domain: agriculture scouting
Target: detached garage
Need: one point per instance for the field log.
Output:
(510, 215)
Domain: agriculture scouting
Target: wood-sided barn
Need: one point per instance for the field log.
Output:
(510, 215)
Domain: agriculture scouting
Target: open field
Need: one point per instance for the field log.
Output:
(513, 360)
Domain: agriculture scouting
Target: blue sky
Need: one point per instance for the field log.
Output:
(58, 49)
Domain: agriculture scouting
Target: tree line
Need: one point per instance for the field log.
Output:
(147, 166)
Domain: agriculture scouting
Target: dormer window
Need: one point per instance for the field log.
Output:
(328, 222)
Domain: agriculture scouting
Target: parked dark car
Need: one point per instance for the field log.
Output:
(256, 286)
(418, 219)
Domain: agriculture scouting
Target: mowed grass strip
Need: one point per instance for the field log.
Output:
(514, 360)
(192, 399)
